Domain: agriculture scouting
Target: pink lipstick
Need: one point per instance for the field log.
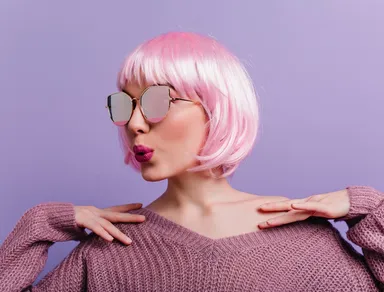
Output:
(142, 153)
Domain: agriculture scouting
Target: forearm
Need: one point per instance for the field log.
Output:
(366, 226)
(25, 250)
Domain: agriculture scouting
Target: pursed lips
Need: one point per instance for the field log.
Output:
(141, 149)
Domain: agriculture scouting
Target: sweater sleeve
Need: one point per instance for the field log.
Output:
(24, 252)
(365, 220)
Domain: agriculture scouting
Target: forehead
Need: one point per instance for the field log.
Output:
(134, 89)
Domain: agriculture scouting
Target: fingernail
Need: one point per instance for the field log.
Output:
(129, 241)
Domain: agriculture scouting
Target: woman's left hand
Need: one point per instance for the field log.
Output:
(330, 205)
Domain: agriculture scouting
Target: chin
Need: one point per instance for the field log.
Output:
(151, 174)
(152, 178)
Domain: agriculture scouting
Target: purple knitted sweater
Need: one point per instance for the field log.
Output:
(305, 256)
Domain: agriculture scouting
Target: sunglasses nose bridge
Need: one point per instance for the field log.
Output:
(136, 103)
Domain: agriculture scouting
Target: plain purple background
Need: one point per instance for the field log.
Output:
(318, 67)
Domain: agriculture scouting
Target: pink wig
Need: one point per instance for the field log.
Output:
(201, 68)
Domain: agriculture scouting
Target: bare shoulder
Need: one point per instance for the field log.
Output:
(264, 199)
(250, 203)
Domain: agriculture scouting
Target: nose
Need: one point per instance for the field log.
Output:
(138, 124)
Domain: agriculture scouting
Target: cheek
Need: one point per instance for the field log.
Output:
(184, 129)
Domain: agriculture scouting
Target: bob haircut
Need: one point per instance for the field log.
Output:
(200, 68)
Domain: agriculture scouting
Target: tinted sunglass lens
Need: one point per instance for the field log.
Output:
(120, 108)
(155, 103)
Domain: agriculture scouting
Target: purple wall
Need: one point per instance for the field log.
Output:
(318, 68)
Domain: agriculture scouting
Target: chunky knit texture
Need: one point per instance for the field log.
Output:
(302, 256)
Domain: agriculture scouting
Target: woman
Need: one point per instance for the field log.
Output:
(186, 111)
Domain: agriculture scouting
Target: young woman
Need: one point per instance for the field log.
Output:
(186, 111)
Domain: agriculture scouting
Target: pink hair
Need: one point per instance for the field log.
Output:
(201, 67)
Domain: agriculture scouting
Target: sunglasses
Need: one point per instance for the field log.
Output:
(154, 104)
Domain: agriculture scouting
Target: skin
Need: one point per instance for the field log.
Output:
(332, 205)
(193, 200)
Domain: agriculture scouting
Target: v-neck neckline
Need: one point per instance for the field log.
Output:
(176, 232)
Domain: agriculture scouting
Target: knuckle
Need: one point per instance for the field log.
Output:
(103, 222)
(98, 229)
(118, 216)
(119, 233)
(93, 209)
(139, 217)
(108, 215)
(132, 218)
(87, 212)
(283, 198)
(314, 197)
(114, 231)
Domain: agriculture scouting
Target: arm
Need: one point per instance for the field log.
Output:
(25, 250)
(365, 220)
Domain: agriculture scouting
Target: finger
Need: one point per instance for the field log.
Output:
(114, 231)
(124, 208)
(116, 217)
(311, 206)
(279, 206)
(96, 227)
(290, 217)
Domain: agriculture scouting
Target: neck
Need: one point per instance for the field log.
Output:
(195, 192)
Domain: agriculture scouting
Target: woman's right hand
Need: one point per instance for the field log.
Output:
(99, 220)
